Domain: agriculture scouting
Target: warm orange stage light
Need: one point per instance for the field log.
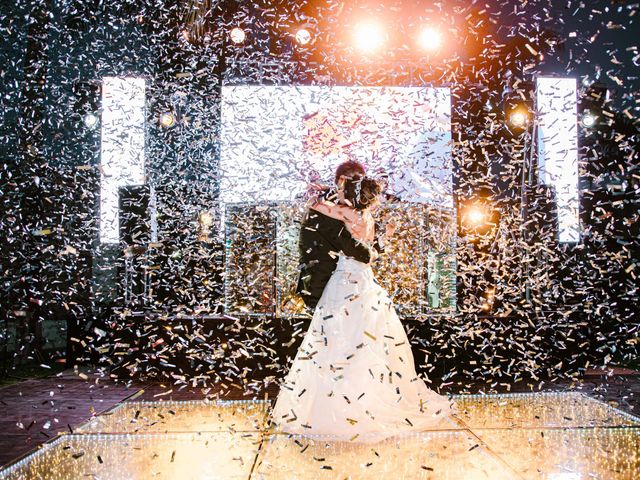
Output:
(368, 36)
(303, 36)
(430, 39)
(476, 215)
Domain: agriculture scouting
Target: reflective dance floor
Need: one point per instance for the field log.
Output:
(554, 436)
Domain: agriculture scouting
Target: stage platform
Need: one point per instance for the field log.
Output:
(547, 435)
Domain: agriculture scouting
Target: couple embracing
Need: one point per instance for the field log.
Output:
(353, 378)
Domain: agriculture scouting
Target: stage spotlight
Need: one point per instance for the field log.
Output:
(303, 36)
(167, 120)
(517, 104)
(518, 118)
(475, 216)
(368, 36)
(90, 120)
(478, 218)
(237, 35)
(588, 120)
(429, 39)
(205, 219)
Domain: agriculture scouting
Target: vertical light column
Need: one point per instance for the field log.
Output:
(122, 151)
(557, 107)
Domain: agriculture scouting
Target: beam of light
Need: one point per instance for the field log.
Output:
(167, 120)
(205, 219)
(368, 36)
(519, 117)
(558, 149)
(476, 216)
(429, 39)
(303, 36)
(588, 120)
(90, 120)
(237, 35)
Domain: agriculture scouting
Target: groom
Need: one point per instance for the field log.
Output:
(322, 238)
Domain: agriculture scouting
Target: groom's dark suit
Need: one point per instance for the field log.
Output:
(322, 238)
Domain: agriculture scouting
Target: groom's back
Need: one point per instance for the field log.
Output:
(322, 238)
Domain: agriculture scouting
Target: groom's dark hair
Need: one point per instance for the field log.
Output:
(349, 169)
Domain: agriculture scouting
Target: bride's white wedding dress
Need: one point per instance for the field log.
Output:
(353, 377)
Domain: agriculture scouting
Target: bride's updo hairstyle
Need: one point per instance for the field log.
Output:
(361, 192)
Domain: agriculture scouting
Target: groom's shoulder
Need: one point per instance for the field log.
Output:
(315, 216)
(316, 221)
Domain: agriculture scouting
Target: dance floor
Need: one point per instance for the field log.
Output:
(555, 436)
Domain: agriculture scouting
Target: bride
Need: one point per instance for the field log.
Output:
(353, 377)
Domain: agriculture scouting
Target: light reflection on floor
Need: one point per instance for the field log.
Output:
(158, 456)
(553, 436)
(184, 416)
(528, 410)
(443, 455)
(568, 454)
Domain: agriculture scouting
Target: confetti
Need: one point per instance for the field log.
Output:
(200, 291)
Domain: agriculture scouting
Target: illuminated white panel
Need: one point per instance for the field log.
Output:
(558, 149)
(122, 149)
(276, 139)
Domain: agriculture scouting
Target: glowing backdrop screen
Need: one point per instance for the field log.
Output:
(122, 150)
(558, 150)
(275, 139)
